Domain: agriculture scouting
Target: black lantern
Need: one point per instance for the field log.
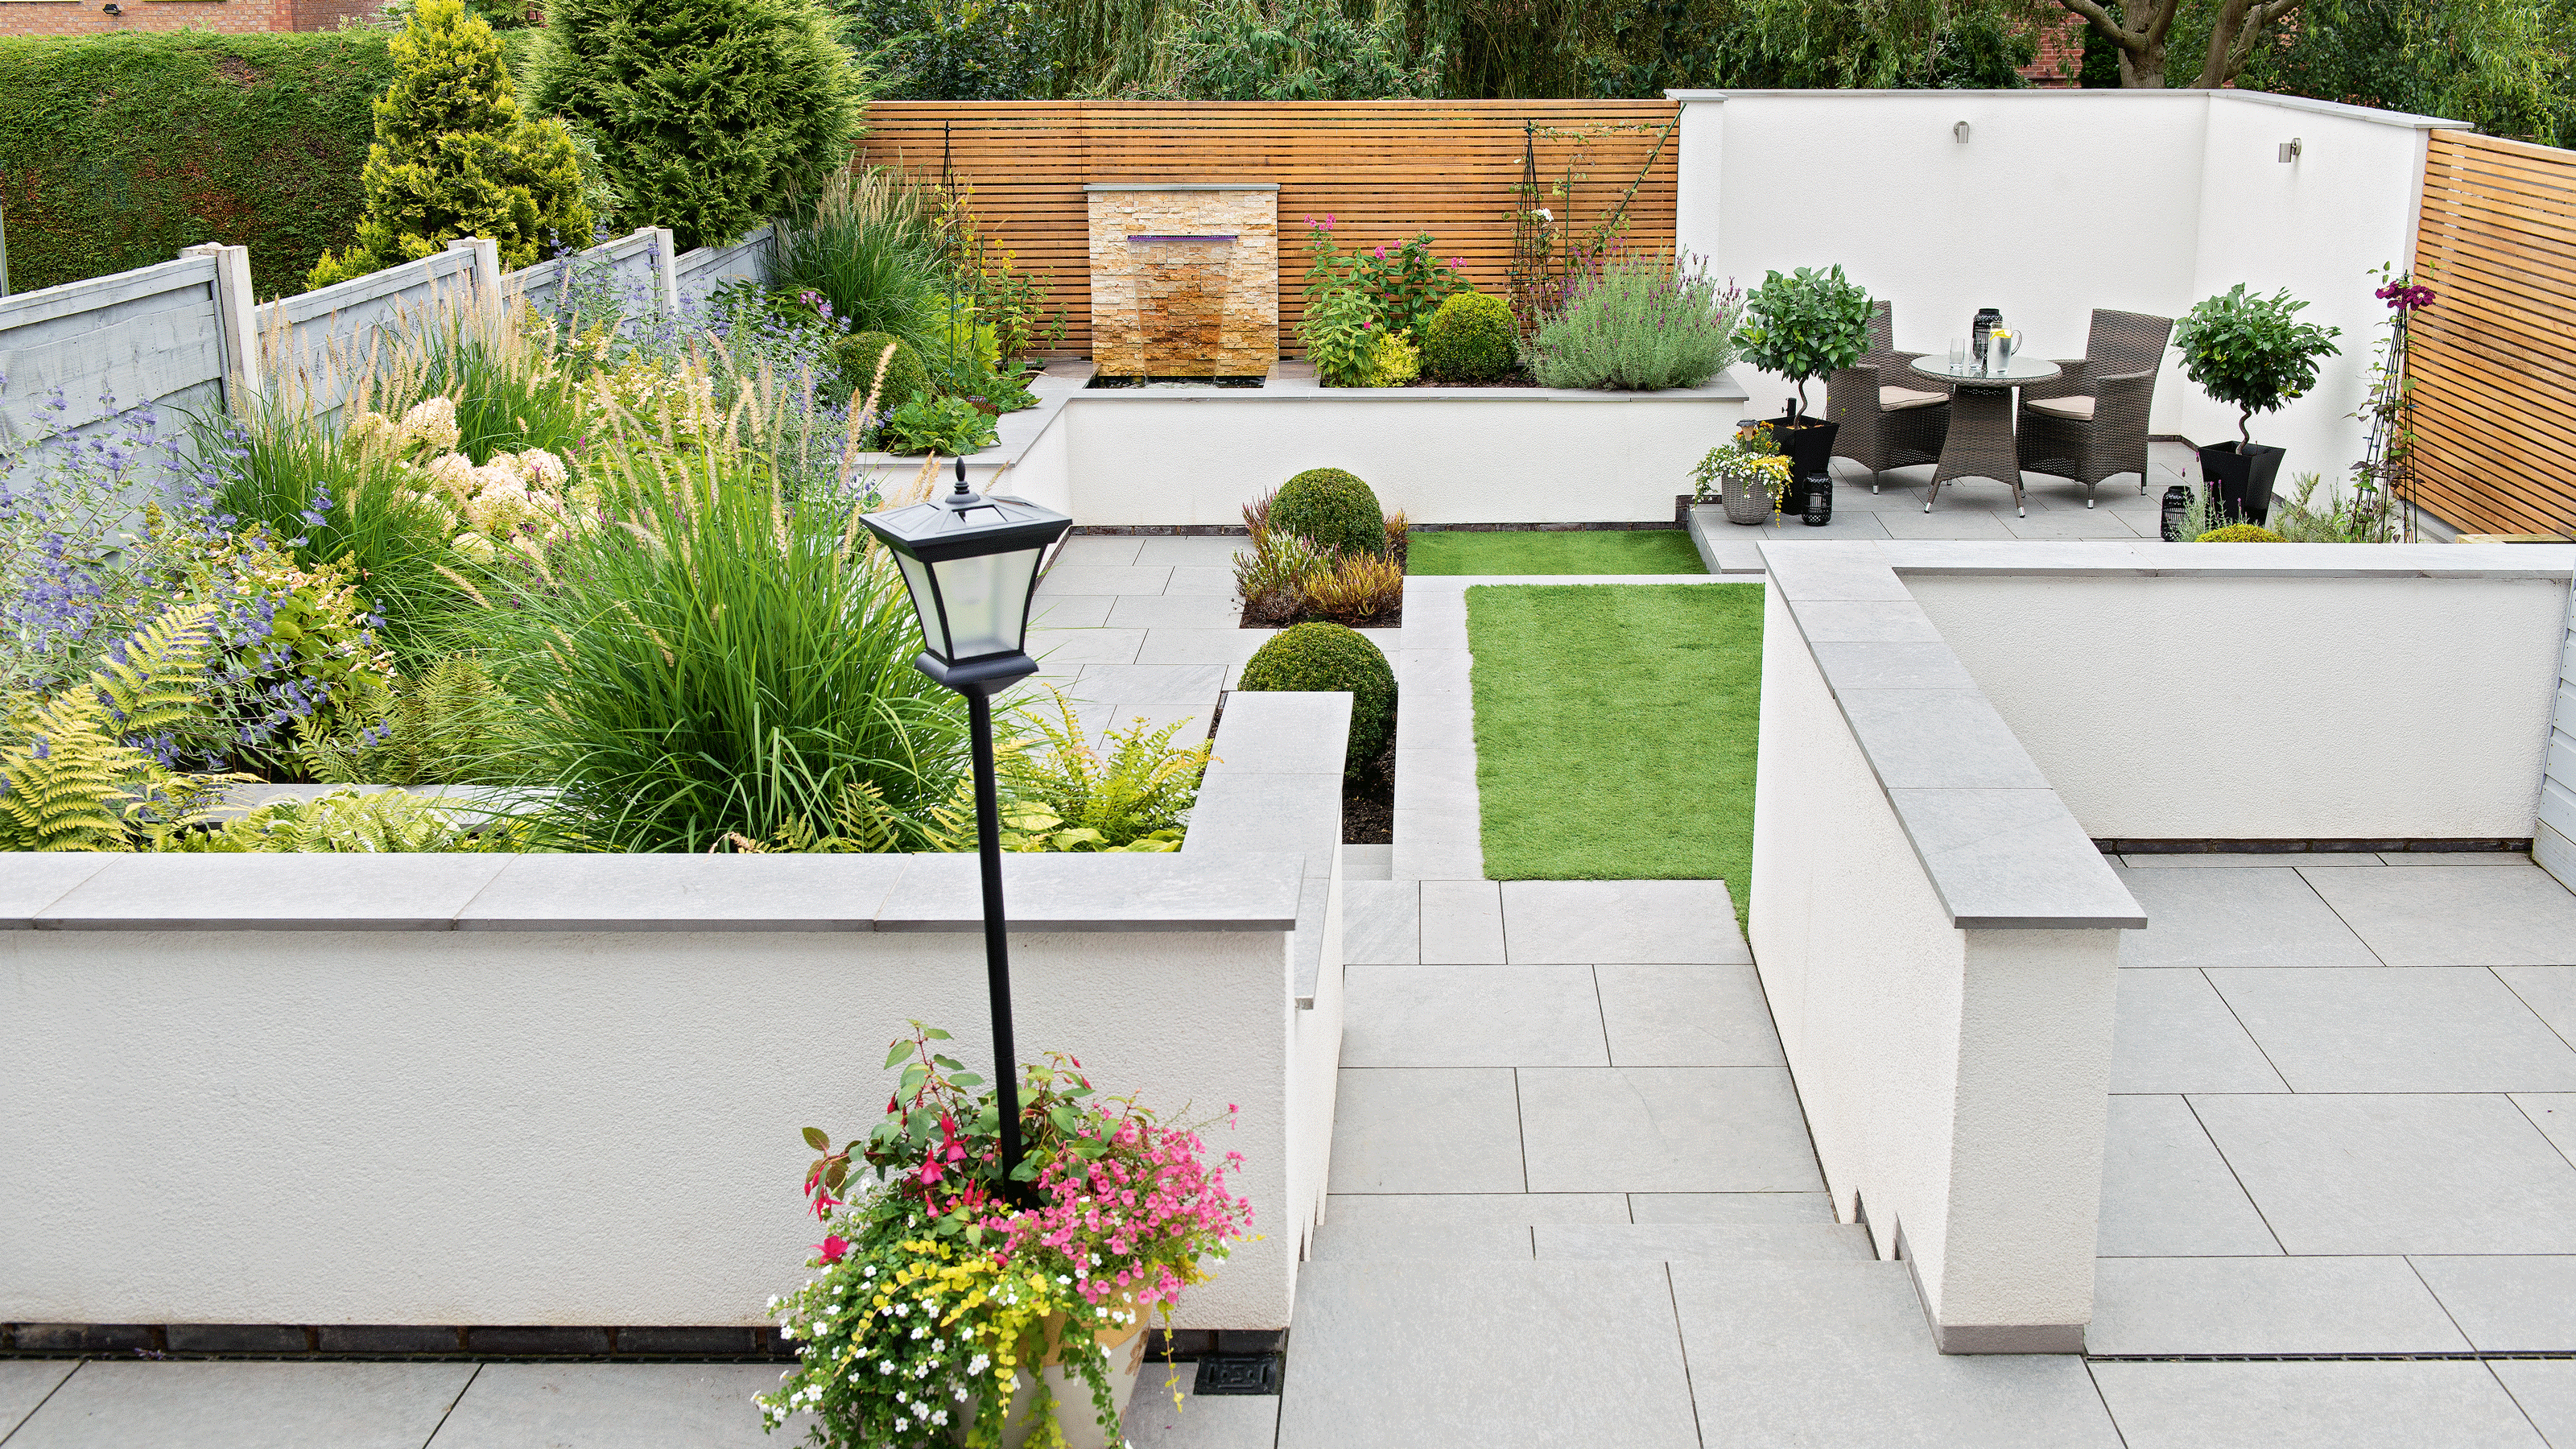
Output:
(2177, 509)
(1820, 499)
(971, 562)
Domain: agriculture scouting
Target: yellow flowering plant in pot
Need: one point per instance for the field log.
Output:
(950, 1307)
(1748, 470)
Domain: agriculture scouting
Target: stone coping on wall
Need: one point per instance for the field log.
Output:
(1996, 842)
(2405, 119)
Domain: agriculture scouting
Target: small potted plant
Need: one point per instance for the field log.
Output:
(1805, 325)
(1747, 471)
(2256, 353)
(949, 1307)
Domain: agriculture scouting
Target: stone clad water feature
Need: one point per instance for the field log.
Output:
(1184, 278)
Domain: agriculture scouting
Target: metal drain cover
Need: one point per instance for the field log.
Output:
(1238, 1374)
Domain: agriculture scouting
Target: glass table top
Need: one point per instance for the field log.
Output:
(2021, 369)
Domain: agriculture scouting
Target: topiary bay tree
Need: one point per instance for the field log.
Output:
(2252, 351)
(1805, 325)
(711, 116)
(454, 158)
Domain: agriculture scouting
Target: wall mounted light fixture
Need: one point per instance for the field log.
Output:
(1959, 133)
(112, 8)
(2290, 150)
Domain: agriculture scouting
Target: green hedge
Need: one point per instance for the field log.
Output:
(118, 150)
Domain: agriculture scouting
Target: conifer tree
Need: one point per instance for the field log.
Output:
(454, 158)
(711, 116)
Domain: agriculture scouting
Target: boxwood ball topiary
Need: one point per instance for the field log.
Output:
(1327, 658)
(2241, 533)
(1332, 510)
(905, 377)
(1469, 339)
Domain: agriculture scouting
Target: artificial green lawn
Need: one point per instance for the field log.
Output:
(1615, 729)
(1591, 551)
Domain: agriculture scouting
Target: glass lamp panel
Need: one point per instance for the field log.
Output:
(988, 602)
(916, 577)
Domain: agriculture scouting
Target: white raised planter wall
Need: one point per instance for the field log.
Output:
(1936, 931)
(2061, 201)
(565, 1090)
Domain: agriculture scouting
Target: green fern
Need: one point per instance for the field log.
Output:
(1069, 797)
(449, 726)
(350, 821)
(68, 780)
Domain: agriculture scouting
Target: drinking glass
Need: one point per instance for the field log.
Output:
(1958, 354)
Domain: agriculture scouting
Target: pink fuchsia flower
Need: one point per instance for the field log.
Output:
(1458, 264)
(833, 1248)
(1380, 254)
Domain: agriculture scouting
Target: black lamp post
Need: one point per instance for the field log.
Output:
(971, 562)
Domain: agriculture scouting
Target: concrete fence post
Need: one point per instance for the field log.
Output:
(236, 321)
(666, 268)
(487, 267)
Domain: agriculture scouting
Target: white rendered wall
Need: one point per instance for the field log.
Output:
(1523, 458)
(535, 1128)
(2058, 203)
(2270, 708)
(1955, 1081)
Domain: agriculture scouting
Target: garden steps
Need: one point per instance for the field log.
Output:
(1475, 1237)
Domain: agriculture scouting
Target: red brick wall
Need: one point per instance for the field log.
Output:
(327, 14)
(2061, 48)
(86, 17)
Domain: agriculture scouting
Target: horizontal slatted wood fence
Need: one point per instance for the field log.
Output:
(2494, 358)
(1383, 169)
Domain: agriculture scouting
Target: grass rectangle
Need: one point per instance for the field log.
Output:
(1587, 551)
(1616, 730)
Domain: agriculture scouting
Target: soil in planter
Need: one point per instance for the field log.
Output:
(1368, 803)
(1383, 619)
(1518, 379)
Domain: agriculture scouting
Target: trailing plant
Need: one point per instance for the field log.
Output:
(1330, 657)
(711, 116)
(1804, 325)
(1470, 339)
(1641, 323)
(949, 425)
(352, 821)
(1133, 794)
(2252, 352)
(454, 158)
(936, 1296)
(1751, 457)
(1331, 509)
(74, 770)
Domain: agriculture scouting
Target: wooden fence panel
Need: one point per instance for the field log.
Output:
(1382, 169)
(2495, 356)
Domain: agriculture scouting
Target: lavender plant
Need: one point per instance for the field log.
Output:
(1640, 323)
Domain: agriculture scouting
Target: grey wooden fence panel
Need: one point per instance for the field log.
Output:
(108, 344)
(314, 343)
(2554, 843)
(707, 268)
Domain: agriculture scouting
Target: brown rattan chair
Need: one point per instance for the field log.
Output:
(1888, 414)
(2090, 422)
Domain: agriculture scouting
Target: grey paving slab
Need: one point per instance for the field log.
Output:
(2166, 1191)
(1837, 1356)
(1665, 1129)
(2456, 917)
(1643, 921)
(2013, 858)
(1098, 549)
(2079, 522)
(1251, 813)
(2264, 917)
(1848, 572)
(1196, 684)
(1374, 1211)
(2272, 1305)
(2174, 1033)
(610, 1406)
(1943, 523)
(1381, 921)
(1708, 1015)
(2397, 1174)
(1438, 849)
(1368, 862)
(1933, 739)
(24, 1383)
(1057, 648)
(1286, 732)
(1707, 1242)
(2547, 990)
(2546, 1390)
(1201, 579)
(215, 1405)
(35, 881)
(1215, 1421)
(1431, 716)
(2398, 1029)
(1069, 578)
(1471, 1016)
(1203, 551)
(1867, 623)
(1418, 1355)
(1730, 1207)
(1860, 523)
(2455, 857)
(1174, 611)
(1201, 646)
(2361, 1405)
(2507, 1304)
(1474, 1242)
(1097, 719)
(1462, 922)
(1451, 1129)
(1880, 665)
(1070, 611)
(2554, 1113)
(1435, 671)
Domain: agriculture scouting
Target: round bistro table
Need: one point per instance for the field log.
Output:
(1980, 442)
